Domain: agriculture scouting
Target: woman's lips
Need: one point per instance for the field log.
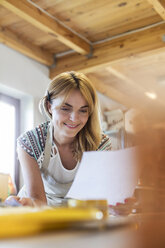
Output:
(71, 126)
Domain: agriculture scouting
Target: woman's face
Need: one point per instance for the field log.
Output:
(70, 117)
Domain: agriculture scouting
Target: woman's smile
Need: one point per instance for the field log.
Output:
(71, 125)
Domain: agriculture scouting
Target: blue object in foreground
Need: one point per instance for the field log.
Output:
(12, 202)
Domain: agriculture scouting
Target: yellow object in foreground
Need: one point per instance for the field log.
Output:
(102, 205)
(20, 221)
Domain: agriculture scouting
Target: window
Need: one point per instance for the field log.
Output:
(9, 131)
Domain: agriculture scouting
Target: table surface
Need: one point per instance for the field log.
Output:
(117, 233)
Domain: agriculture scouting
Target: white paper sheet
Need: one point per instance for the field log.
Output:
(110, 175)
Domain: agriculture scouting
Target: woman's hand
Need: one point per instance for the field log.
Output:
(123, 208)
(17, 201)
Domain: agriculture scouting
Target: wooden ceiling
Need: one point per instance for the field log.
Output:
(119, 45)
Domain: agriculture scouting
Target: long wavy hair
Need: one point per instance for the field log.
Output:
(89, 137)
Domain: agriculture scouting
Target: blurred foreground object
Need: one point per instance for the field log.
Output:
(11, 187)
(7, 187)
(150, 136)
(3, 186)
(102, 205)
(23, 221)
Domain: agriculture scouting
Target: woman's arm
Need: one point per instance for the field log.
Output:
(32, 179)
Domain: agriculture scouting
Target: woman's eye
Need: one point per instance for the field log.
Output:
(83, 111)
(65, 109)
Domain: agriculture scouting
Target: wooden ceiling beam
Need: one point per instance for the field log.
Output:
(139, 101)
(159, 7)
(111, 92)
(46, 23)
(126, 80)
(116, 50)
(10, 39)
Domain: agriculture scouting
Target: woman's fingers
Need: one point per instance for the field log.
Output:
(123, 208)
(130, 200)
(13, 197)
(120, 210)
(17, 201)
(26, 202)
(13, 201)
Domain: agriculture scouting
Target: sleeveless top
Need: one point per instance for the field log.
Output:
(57, 180)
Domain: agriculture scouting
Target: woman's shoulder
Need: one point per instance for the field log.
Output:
(39, 132)
(105, 144)
(33, 141)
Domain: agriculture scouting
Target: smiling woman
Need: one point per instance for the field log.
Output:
(69, 117)
(76, 88)
(50, 154)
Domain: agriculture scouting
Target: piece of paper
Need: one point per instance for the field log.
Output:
(111, 175)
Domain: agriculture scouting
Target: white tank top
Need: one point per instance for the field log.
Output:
(57, 180)
(58, 171)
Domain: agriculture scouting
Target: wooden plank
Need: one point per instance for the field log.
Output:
(10, 39)
(98, 20)
(113, 51)
(131, 83)
(51, 26)
(111, 92)
(129, 99)
(159, 6)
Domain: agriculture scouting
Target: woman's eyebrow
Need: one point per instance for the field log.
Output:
(67, 104)
(85, 106)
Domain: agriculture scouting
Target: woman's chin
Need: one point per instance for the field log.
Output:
(70, 134)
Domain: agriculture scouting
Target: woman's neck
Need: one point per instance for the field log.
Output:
(62, 140)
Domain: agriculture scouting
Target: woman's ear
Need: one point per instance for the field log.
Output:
(49, 107)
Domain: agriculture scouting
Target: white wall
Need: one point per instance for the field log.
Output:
(24, 79)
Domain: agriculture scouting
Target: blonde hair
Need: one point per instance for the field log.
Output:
(89, 138)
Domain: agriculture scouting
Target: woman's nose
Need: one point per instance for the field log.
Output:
(74, 116)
